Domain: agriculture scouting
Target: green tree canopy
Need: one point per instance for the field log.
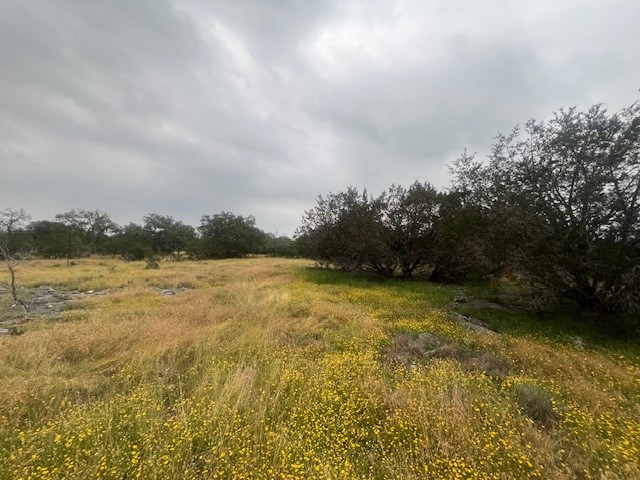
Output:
(563, 200)
(225, 235)
(93, 225)
(167, 235)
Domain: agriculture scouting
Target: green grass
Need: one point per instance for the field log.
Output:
(267, 368)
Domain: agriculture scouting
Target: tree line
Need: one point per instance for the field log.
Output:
(556, 203)
(79, 233)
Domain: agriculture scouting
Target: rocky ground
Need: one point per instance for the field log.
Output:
(41, 301)
(48, 302)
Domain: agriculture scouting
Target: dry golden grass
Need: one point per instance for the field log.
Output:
(263, 370)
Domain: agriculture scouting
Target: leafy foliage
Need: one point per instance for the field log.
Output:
(346, 229)
(561, 202)
(167, 235)
(93, 225)
(225, 235)
(54, 239)
(410, 219)
(82, 233)
(279, 246)
(556, 202)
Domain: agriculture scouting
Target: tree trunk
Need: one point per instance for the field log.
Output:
(14, 292)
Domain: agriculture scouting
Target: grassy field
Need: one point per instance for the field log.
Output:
(265, 368)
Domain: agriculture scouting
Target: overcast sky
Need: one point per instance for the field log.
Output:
(189, 107)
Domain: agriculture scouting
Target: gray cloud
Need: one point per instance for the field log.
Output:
(188, 107)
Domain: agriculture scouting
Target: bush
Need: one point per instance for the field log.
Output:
(152, 263)
(536, 403)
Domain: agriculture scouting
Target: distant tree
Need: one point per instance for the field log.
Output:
(132, 241)
(75, 233)
(94, 225)
(12, 219)
(347, 230)
(167, 235)
(12, 234)
(225, 235)
(54, 239)
(279, 246)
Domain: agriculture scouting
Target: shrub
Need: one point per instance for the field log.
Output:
(152, 263)
(536, 403)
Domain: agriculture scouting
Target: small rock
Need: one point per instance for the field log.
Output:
(473, 324)
(89, 291)
(49, 306)
(577, 342)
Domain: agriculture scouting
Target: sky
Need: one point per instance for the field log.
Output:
(190, 107)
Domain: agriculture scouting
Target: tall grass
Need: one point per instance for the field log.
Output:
(265, 369)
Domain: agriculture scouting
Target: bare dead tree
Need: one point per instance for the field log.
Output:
(10, 220)
(11, 261)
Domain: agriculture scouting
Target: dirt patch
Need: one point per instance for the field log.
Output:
(409, 351)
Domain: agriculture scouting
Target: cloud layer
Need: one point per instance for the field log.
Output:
(188, 107)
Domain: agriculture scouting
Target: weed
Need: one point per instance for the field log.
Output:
(152, 264)
(536, 403)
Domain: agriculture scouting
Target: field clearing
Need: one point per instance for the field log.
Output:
(265, 368)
